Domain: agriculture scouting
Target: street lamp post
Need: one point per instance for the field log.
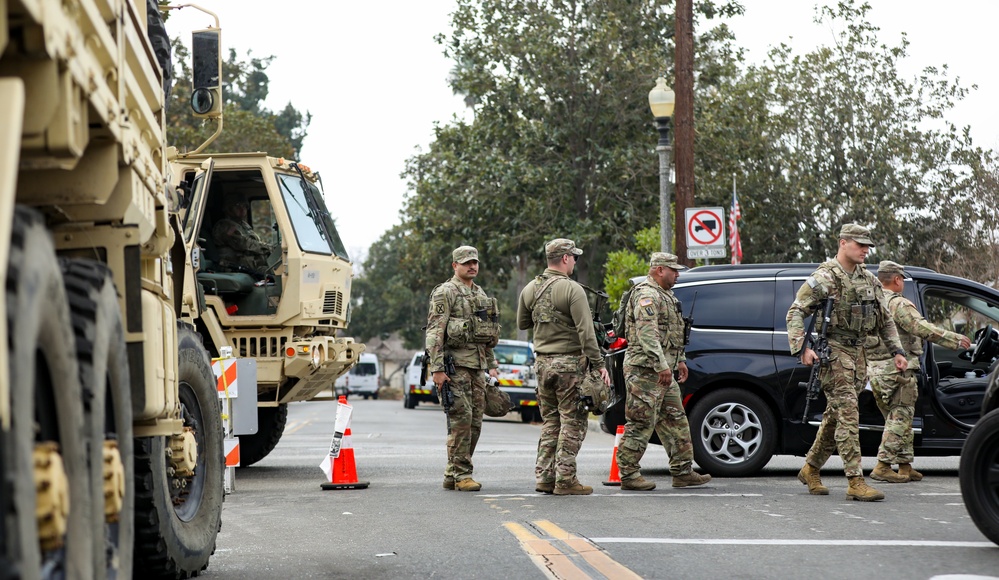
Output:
(661, 101)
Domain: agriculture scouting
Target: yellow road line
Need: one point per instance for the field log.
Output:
(296, 426)
(557, 564)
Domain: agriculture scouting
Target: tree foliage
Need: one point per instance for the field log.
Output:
(838, 135)
(561, 145)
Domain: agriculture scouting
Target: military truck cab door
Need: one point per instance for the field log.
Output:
(198, 179)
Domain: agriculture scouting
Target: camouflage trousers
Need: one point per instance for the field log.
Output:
(564, 419)
(895, 394)
(652, 407)
(842, 381)
(469, 388)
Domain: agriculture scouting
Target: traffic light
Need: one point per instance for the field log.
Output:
(206, 99)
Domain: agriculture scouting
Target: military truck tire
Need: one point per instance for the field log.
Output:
(270, 426)
(103, 366)
(46, 406)
(176, 541)
(733, 433)
(976, 472)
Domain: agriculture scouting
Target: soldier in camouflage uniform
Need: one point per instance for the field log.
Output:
(238, 245)
(653, 365)
(858, 313)
(464, 323)
(566, 345)
(895, 391)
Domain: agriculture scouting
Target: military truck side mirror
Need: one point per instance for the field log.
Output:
(206, 48)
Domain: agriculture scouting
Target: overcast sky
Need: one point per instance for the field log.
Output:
(375, 81)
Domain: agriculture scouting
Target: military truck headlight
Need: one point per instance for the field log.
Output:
(317, 357)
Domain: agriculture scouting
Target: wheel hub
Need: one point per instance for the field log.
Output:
(52, 491)
(183, 453)
(114, 481)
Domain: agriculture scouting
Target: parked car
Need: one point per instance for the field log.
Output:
(414, 394)
(980, 464)
(517, 377)
(743, 397)
(364, 378)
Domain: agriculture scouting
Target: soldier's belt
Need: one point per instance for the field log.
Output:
(846, 340)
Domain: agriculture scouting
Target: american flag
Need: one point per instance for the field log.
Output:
(734, 215)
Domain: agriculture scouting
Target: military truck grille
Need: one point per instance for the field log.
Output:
(333, 303)
(259, 346)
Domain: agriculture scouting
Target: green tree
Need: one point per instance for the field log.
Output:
(838, 135)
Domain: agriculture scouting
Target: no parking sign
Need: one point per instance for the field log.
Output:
(705, 232)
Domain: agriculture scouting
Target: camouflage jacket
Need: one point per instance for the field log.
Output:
(451, 309)
(913, 329)
(655, 327)
(560, 316)
(858, 312)
(237, 243)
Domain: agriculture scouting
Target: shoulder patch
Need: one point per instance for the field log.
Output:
(812, 282)
(439, 307)
(645, 302)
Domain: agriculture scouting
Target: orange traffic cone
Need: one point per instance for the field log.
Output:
(615, 478)
(343, 472)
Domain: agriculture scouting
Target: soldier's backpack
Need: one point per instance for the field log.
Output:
(620, 317)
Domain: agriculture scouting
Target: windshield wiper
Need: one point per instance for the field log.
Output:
(315, 212)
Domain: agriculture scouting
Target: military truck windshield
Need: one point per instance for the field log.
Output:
(308, 227)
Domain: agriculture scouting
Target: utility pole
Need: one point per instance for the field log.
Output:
(683, 120)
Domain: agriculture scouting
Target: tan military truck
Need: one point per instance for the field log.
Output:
(282, 308)
(110, 427)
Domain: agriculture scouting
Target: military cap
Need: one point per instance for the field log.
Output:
(889, 267)
(664, 259)
(232, 198)
(465, 254)
(857, 233)
(560, 247)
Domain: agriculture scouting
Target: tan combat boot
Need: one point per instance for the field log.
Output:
(860, 491)
(907, 470)
(692, 478)
(809, 476)
(638, 484)
(577, 489)
(883, 472)
(467, 485)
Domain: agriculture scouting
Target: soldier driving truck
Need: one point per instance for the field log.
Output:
(110, 431)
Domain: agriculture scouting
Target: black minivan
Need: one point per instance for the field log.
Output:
(743, 397)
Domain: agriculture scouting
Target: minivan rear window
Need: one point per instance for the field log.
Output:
(364, 370)
(736, 305)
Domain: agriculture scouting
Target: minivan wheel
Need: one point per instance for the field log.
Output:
(979, 475)
(733, 433)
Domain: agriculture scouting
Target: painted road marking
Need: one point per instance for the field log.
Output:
(624, 494)
(791, 542)
(580, 558)
(296, 426)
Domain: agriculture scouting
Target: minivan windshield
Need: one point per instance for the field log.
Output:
(364, 370)
(512, 354)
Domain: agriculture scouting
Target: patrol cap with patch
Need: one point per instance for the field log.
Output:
(664, 259)
(889, 267)
(857, 233)
(465, 254)
(560, 247)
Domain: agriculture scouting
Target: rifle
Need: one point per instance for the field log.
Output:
(688, 321)
(447, 395)
(821, 348)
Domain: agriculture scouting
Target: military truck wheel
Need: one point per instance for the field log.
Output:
(978, 475)
(178, 518)
(46, 416)
(270, 426)
(103, 366)
(733, 433)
